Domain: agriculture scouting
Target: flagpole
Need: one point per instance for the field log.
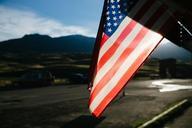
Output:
(187, 30)
(95, 52)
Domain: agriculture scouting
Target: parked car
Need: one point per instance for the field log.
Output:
(35, 79)
(78, 78)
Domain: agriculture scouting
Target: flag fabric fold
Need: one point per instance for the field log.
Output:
(131, 29)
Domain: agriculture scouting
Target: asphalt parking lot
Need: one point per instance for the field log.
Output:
(66, 106)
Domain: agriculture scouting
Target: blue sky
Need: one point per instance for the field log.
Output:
(52, 17)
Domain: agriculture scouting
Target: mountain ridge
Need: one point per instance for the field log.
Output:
(79, 44)
(169, 50)
(45, 43)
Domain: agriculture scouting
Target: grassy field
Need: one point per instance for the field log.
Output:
(61, 65)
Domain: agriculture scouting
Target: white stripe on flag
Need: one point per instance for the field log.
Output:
(155, 6)
(161, 21)
(136, 8)
(116, 34)
(141, 50)
(145, 43)
(108, 65)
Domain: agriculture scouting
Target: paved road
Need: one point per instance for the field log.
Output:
(41, 96)
(66, 106)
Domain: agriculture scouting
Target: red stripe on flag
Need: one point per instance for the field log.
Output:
(127, 30)
(171, 22)
(118, 63)
(115, 67)
(94, 66)
(143, 10)
(122, 82)
(100, 97)
(156, 16)
(104, 39)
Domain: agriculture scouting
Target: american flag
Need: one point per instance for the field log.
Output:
(130, 32)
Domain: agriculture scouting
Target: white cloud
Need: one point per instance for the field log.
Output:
(15, 23)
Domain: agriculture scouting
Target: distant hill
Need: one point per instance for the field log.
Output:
(44, 43)
(170, 50)
(79, 44)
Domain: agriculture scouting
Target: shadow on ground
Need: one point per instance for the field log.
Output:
(83, 121)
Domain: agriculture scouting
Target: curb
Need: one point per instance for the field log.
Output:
(166, 114)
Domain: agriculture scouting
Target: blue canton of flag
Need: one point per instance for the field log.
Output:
(117, 10)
